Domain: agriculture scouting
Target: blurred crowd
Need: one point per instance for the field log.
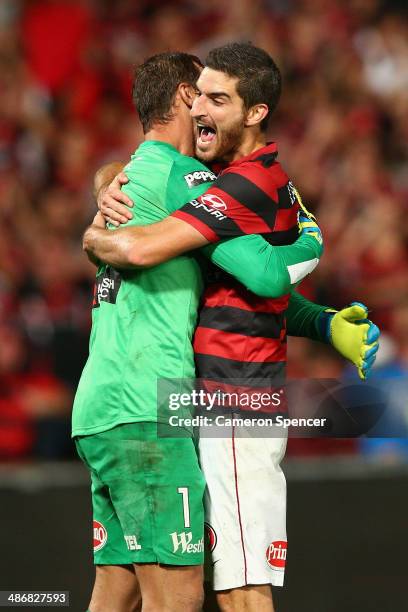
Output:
(65, 109)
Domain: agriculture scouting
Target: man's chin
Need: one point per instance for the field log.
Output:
(206, 155)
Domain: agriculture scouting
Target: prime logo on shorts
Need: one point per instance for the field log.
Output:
(199, 177)
(183, 541)
(276, 555)
(100, 536)
(107, 286)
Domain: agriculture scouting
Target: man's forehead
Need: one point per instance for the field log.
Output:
(213, 80)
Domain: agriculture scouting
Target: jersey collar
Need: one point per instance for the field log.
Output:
(269, 150)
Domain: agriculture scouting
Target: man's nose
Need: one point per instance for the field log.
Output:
(198, 108)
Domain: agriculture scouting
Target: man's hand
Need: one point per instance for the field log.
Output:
(354, 336)
(113, 203)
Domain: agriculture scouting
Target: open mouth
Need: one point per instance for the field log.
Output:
(206, 133)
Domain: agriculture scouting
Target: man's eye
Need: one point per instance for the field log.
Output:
(218, 102)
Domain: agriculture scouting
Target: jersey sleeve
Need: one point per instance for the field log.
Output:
(188, 179)
(304, 318)
(236, 204)
(266, 270)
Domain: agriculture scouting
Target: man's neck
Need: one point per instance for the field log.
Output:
(251, 143)
(175, 133)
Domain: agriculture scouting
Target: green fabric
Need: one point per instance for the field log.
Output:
(261, 267)
(147, 334)
(303, 318)
(147, 496)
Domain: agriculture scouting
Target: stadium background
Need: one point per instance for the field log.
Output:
(342, 131)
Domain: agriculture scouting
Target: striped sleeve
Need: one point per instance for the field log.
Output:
(238, 203)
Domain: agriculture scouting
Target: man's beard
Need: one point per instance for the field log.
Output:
(228, 142)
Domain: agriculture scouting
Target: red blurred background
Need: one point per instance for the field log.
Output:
(65, 109)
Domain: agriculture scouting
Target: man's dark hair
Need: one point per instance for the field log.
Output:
(259, 77)
(155, 85)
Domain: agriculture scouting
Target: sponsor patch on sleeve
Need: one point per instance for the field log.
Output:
(199, 177)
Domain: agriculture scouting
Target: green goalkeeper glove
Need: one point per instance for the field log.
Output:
(353, 336)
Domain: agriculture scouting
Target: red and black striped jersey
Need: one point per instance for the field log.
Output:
(240, 335)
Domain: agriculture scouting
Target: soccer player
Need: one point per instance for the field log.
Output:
(239, 335)
(147, 491)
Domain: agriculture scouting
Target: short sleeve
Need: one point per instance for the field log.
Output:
(240, 202)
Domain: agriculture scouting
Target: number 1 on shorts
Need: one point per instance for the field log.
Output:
(186, 508)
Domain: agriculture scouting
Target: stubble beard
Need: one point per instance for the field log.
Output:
(228, 141)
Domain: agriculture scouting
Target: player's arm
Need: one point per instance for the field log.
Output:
(349, 331)
(266, 270)
(142, 246)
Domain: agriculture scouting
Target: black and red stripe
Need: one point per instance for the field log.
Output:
(254, 373)
(239, 321)
(239, 335)
(258, 205)
(231, 293)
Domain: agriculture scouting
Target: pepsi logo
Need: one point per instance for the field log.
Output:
(214, 202)
(276, 554)
(100, 536)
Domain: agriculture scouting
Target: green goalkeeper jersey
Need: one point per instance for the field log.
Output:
(143, 320)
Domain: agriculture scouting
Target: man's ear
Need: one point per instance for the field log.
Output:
(187, 94)
(256, 114)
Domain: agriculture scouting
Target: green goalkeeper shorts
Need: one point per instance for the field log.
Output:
(147, 496)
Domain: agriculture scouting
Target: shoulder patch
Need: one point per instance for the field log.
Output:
(198, 177)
